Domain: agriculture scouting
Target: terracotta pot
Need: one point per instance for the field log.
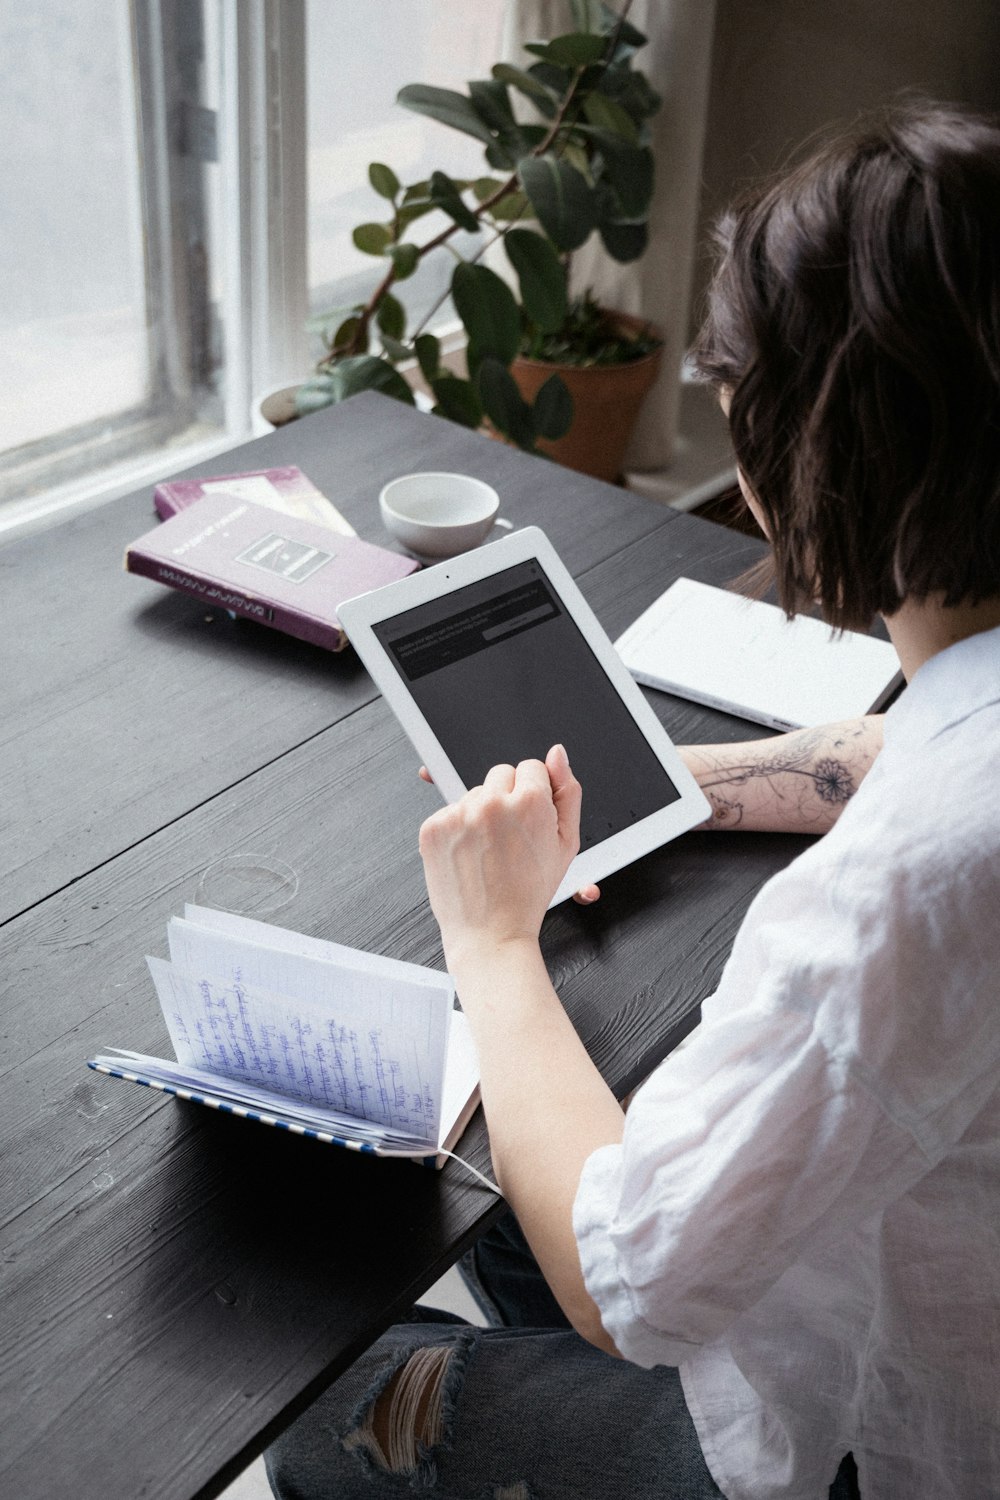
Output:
(606, 403)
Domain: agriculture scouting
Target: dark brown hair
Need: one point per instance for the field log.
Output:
(855, 320)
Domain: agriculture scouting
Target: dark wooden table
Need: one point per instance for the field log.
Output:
(177, 1286)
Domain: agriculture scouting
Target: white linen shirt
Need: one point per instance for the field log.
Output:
(804, 1213)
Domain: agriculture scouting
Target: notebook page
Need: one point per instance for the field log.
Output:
(322, 1040)
(370, 983)
(461, 1076)
(283, 938)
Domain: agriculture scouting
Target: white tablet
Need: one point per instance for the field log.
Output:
(494, 657)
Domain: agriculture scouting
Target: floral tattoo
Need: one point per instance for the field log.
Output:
(814, 771)
(833, 781)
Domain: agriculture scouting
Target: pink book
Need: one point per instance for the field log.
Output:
(267, 566)
(285, 488)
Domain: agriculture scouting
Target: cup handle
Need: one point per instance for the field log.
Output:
(504, 524)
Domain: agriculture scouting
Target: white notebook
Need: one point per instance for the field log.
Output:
(745, 657)
(348, 1047)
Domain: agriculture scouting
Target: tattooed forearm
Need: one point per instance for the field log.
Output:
(797, 782)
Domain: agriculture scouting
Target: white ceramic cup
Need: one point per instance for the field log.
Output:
(439, 515)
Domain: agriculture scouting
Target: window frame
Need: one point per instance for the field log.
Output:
(258, 330)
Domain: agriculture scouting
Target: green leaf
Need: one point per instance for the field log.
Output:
(629, 170)
(365, 372)
(609, 116)
(384, 180)
(552, 410)
(631, 90)
(541, 275)
(500, 155)
(314, 394)
(446, 196)
(513, 206)
(487, 307)
(457, 400)
(530, 136)
(561, 199)
(491, 103)
(511, 144)
(625, 242)
(556, 79)
(405, 258)
(345, 333)
(406, 213)
(485, 187)
(390, 315)
(445, 105)
(533, 88)
(574, 150)
(373, 239)
(577, 49)
(428, 352)
(504, 404)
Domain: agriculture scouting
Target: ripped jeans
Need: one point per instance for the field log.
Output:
(522, 1410)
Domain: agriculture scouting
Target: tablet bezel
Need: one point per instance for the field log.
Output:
(360, 615)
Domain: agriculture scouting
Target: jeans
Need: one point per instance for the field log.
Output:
(522, 1410)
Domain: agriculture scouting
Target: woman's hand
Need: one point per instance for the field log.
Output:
(585, 896)
(494, 860)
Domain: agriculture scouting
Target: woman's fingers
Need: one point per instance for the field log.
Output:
(499, 779)
(494, 858)
(551, 780)
(567, 795)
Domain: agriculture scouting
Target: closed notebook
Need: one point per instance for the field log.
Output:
(279, 570)
(745, 657)
(286, 489)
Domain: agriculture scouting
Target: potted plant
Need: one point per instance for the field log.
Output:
(608, 361)
(582, 164)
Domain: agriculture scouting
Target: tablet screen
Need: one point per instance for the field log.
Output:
(501, 673)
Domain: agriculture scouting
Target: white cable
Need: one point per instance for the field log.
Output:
(474, 1170)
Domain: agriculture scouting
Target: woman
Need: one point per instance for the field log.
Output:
(789, 1241)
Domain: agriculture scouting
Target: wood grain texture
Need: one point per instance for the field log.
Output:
(218, 1272)
(177, 1286)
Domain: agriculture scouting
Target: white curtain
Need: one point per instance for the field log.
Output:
(677, 63)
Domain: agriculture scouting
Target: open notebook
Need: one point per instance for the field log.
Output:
(326, 1041)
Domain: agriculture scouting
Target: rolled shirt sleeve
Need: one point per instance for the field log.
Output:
(734, 1155)
(771, 1128)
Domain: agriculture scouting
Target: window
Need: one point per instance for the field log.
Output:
(160, 250)
(107, 338)
(360, 53)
